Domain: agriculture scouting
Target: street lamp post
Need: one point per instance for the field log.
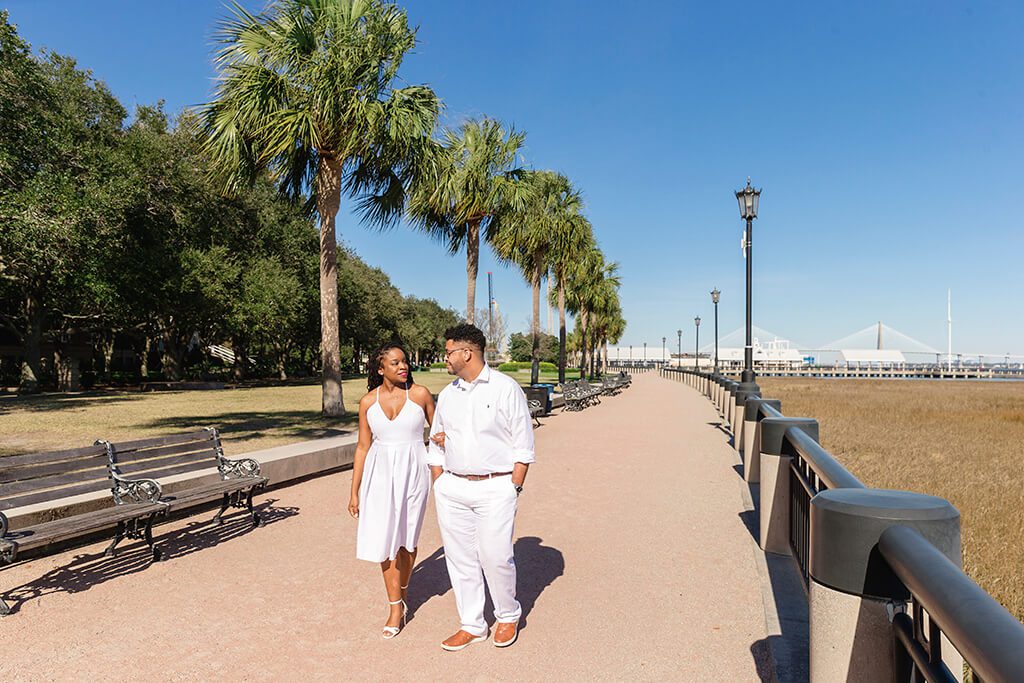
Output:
(663, 351)
(680, 353)
(696, 345)
(645, 353)
(748, 199)
(715, 294)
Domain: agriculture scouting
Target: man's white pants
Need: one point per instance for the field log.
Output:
(477, 519)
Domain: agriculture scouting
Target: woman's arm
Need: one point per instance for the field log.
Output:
(365, 438)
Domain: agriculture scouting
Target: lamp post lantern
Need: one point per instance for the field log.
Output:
(679, 355)
(748, 199)
(715, 294)
(696, 345)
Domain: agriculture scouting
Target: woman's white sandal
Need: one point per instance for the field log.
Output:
(389, 632)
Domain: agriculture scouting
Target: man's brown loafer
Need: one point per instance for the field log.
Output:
(460, 640)
(505, 634)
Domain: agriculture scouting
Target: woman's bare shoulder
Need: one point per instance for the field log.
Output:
(420, 393)
(368, 399)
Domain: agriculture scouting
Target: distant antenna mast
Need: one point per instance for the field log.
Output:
(949, 329)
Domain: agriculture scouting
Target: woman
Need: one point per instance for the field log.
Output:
(390, 478)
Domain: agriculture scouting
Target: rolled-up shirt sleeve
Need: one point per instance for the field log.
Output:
(520, 425)
(435, 454)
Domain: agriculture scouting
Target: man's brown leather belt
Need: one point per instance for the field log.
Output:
(478, 477)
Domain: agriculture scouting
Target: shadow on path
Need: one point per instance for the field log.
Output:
(537, 568)
(88, 570)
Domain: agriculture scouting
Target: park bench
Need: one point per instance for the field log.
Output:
(131, 472)
(580, 394)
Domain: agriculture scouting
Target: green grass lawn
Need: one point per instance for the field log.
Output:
(249, 418)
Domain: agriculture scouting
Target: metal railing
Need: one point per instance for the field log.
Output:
(944, 601)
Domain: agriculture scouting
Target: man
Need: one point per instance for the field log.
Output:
(481, 446)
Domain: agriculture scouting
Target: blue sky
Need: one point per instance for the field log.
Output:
(887, 138)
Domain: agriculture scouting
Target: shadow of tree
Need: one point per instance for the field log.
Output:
(53, 402)
(248, 425)
(88, 570)
(537, 568)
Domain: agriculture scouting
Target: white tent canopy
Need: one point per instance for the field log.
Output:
(873, 356)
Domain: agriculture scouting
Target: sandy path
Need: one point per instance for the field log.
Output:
(633, 564)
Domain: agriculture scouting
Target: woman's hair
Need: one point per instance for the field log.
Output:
(374, 379)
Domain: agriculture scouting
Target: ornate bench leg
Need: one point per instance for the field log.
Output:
(256, 519)
(217, 518)
(5, 609)
(111, 550)
(148, 534)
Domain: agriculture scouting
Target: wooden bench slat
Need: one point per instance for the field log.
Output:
(171, 471)
(34, 471)
(41, 534)
(53, 494)
(200, 494)
(177, 449)
(201, 435)
(52, 481)
(55, 456)
(139, 469)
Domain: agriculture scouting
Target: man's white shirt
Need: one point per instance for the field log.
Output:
(486, 423)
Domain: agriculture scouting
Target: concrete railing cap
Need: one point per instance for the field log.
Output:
(846, 524)
(752, 407)
(773, 431)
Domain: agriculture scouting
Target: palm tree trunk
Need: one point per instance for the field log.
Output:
(561, 331)
(328, 190)
(535, 356)
(584, 318)
(472, 267)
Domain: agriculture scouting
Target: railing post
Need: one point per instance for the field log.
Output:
(752, 436)
(739, 417)
(730, 401)
(852, 590)
(774, 466)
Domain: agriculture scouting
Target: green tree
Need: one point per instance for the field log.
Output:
(547, 223)
(59, 198)
(306, 90)
(474, 181)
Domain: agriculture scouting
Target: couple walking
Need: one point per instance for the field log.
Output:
(481, 445)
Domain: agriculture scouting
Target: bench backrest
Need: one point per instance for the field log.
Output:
(165, 456)
(43, 477)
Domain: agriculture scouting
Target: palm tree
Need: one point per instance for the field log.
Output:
(473, 183)
(305, 91)
(547, 223)
(590, 286)
(563, 257)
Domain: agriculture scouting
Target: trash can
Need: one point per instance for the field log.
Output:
(551, 391)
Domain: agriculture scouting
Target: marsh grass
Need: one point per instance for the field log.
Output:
(958, 440)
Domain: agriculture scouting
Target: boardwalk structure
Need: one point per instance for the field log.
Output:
(637, 561)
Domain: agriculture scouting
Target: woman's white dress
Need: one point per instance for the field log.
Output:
(396, 481)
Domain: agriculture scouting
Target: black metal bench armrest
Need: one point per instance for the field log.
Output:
(243, 468)
(3, 525)
(135, 490)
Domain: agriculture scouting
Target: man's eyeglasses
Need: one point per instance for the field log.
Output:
(448, 354)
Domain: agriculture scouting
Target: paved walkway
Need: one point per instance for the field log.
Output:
(634, 563)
